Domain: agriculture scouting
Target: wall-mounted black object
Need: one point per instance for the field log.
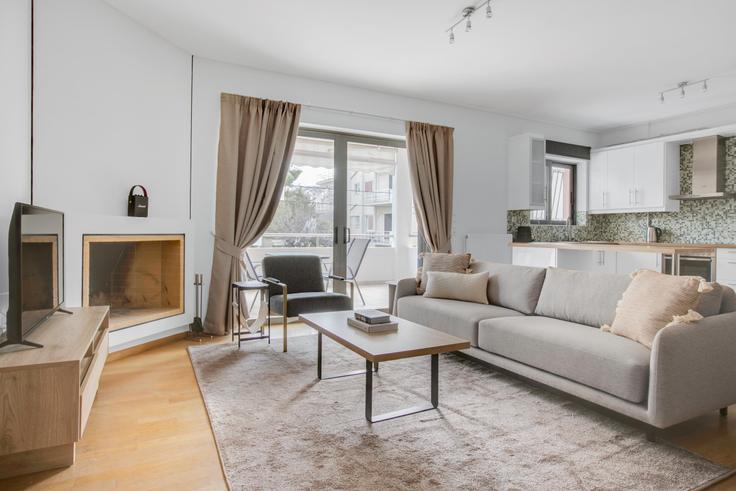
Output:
(523, 234)
(138, 204)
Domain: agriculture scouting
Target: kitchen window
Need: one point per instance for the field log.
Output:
(559, 208)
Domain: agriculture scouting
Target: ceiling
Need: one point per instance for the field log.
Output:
(589, 64)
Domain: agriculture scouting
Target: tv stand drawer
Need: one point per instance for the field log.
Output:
(91, 381)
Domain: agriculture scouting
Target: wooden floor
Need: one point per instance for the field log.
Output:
(149, 430)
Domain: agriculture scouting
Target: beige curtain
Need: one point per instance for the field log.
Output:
(430, 151)
(257, 139)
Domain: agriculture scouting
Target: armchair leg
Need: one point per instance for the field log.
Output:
(359, 292)
(285, 337)
(724, 412)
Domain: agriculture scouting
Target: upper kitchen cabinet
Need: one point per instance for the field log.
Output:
(634, 178)
(526, 172)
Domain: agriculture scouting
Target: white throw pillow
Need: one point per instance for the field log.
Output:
(457, 286)
(654, 301)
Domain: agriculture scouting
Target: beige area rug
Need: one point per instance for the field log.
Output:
(277, 427)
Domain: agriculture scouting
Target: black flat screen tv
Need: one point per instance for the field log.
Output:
(35, 270)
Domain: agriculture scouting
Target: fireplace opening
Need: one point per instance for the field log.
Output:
(141, 277)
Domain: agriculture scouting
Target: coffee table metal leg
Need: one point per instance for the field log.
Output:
(435, 394)
(369, 391)
(319, 355)
(339, 375)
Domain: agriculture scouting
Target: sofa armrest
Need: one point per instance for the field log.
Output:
(692, 369)
(404, 288)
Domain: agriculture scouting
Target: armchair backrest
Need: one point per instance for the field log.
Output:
(356, 253)
(300, 272)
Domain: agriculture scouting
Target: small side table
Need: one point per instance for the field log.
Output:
(236, 289)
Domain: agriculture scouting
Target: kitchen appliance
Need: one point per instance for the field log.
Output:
(653, 234)
(709, 170)
(523, 234)
(691, 265)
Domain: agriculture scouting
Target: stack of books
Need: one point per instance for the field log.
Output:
(372, 321)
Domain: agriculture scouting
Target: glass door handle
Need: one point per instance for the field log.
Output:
(334, 236)
(347, 235)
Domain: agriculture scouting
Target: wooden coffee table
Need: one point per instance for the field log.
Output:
(410, 340)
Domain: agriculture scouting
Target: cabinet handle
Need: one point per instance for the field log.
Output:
(636, 196)
(630, 196)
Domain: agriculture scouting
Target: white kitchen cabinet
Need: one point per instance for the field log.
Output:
(649, 167)
(540, 257)
(726, 267)
(584, 260)
(634, 178)
(526, 172)
(597, 180)
(620, 178)
(627, 262)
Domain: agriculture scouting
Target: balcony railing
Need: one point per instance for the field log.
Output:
(369, 197)
(289, 239)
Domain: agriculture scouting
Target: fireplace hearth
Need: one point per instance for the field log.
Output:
(141, 277)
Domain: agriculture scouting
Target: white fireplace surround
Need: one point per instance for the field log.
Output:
(76, 225)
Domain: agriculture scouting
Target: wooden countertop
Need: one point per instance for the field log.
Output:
(663, 248)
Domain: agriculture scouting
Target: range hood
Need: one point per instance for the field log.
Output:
(709, 170)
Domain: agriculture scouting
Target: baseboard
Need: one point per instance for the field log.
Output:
(139, 348)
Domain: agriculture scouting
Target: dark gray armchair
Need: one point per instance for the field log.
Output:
(296, 287)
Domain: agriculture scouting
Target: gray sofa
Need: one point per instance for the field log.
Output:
(543, 325)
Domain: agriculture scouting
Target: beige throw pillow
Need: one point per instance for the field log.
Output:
(653, 301)
(438, 261)
(457, 286)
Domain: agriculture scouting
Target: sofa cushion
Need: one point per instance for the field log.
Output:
(457, 286)
(440, 261)
(612, 364)
(583, 297)
(710, 302)
(309, 302)
(511, 286)
(728, 302)
(655, 300)
(451, 316)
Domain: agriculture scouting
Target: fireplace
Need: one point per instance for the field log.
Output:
(141, 277)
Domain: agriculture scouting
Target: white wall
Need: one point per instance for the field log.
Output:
(112, 109)
(480, 140)
(710, 118)
(112, 105)
(15, 121)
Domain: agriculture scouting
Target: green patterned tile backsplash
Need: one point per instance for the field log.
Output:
(698, 221)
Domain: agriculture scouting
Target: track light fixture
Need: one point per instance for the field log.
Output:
(681, 86)
(466, 15)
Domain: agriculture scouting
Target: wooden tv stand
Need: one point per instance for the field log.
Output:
(47, 393)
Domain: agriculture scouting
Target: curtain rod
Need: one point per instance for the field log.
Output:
(354, 113)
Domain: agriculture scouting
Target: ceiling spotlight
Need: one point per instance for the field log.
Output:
(681, 86)
(466, 15)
